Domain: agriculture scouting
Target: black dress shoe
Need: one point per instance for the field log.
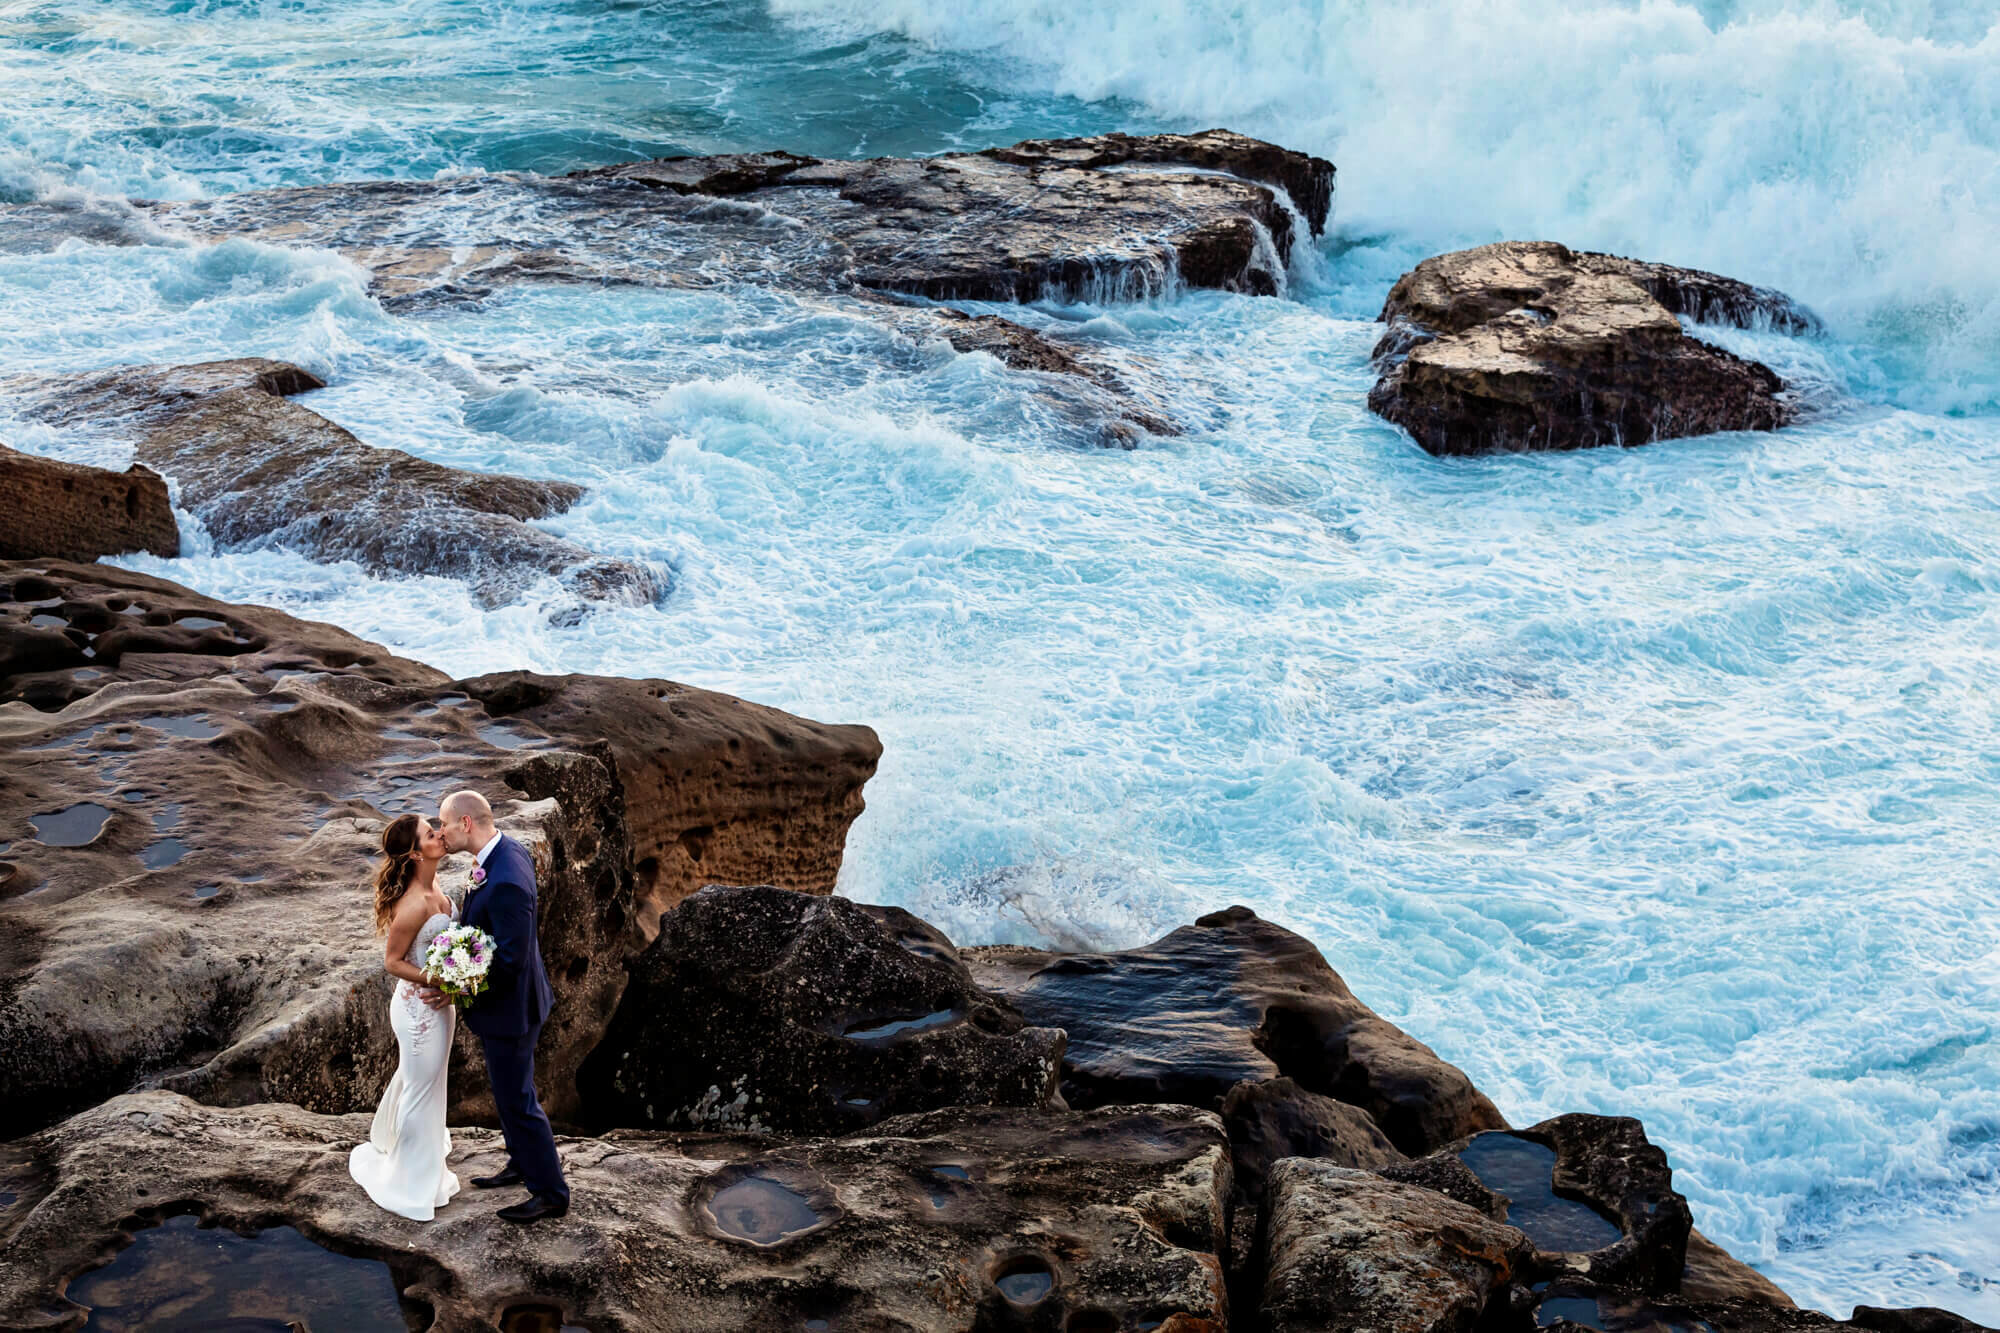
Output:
(510, 1176)
(534, 1208)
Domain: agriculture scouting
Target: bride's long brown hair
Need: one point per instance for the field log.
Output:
(397, 868)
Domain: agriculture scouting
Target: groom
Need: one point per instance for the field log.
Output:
(508, 1017)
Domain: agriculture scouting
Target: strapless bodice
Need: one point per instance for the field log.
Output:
(422, 943)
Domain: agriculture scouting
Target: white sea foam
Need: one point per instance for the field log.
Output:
(1846, 152)
(1656, 782)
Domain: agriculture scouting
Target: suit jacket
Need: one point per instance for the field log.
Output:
(517, 997)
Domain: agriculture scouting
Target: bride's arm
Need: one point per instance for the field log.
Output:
(403, 928)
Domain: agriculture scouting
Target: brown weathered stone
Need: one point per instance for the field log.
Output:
(1122, 1209)
(64, 511)
(1528, 345)
(259, 468)
(1713, 1274)
(1350, 1251)
(716, 790)
(272, 749)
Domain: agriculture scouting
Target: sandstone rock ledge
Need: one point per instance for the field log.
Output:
(1529, 345)
(962, 1218)
(80, 513)
(260, 468)
(193, 792)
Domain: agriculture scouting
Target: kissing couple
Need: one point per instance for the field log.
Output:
(402, 1165)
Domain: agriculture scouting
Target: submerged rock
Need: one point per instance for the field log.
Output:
(1081, 387)
(1228, 999)
(259, 468)
(69, 512)
(757, 1008)
(948, 1222)
(1529, 345)
(1112, 217)
(196, 792)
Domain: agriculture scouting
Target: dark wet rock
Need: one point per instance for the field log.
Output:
(1592, 1194)
(67, 512)
(762, 1009)
(1106, 1219)
(1112, 215)
(1228, 999)
(716, 790)
(1448, 1174)
(1528, 345)
(1711, 1273)
(260, 469)
(1349, 1250)
(1083, 388)
(273, 749)
(1926, 1319)
(1574, 1304)
(1047, 217)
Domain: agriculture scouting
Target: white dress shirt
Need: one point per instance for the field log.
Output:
(487, 850)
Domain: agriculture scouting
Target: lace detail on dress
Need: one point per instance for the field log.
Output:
(421, 1014)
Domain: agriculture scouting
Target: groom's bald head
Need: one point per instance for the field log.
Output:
(466, 821)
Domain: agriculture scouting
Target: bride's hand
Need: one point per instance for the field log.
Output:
(433, 997)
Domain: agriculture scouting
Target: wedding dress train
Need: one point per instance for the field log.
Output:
(402, 1166)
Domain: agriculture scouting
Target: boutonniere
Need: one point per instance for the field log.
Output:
(478, 876)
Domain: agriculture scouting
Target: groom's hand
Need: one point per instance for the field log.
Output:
(436, 999)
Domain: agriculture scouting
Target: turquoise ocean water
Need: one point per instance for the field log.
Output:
(1660, 782)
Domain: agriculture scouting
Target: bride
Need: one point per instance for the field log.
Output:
(402, 1166)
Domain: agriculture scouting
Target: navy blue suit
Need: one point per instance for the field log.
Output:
(508, 1017)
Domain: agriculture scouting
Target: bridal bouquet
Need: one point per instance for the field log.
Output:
(457, 961)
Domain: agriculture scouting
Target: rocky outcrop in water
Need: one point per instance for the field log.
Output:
(1529, 345)
(806, 1015)
(261, 469)
(963, 1219)
(195, 790)
(1048, 217)
(1230, 999)
(1110, 217)
(80, 513)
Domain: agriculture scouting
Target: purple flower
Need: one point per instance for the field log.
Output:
(479, 874)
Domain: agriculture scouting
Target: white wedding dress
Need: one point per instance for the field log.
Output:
(402, 1166)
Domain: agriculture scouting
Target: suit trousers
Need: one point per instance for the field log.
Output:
(531, 1144)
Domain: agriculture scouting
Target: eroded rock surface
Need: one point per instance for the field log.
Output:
(715, 789)
(259, 468)
(1351, 1251)
(1528, 345)
(72, 512)
(1593, 1195)
(1228, 999)
(193, 795)
(805, 1015)
(955, 1220)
